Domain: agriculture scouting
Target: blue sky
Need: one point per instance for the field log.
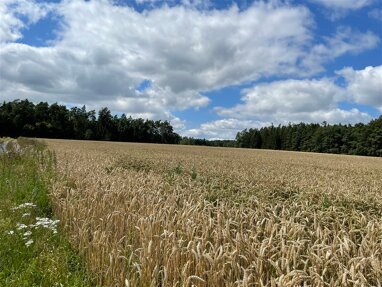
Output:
(212, 68)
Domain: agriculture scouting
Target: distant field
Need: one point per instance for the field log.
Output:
(167, 215)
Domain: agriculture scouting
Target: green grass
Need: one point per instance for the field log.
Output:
(48, 260)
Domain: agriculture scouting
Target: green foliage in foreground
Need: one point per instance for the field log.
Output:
(33, 250)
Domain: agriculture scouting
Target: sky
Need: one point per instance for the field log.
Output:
(210, 67)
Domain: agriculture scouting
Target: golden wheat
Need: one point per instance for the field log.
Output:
(159, 215)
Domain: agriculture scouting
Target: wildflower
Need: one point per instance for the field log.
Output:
(26, 214)
(29, 243)
(24, 205)
(46, 223)
(21, 226)
(11, 232)
(28, 233)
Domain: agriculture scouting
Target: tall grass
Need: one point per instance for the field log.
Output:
(33, 250)
(156, 215)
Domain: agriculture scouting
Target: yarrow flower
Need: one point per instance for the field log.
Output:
(21, 226)
(24, 205)
(29, 243)
(46, 223)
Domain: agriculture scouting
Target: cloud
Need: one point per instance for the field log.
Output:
(344, 41)
(204, 50)
(286, 97)
(376, 14)
(221, 48)
(337, 9)
(314, 100)
(227, 128)
(103, 52)
(198, 4)
(344, 4)
(18, 14)
(286, 101)
(46, 74)
(147, 1)
(365, 86)
(223, 129)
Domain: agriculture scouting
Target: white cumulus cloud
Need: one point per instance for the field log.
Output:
(365, 85)
(103, 52)
(18, 14)
(344, 4)
(287, 97)
(285, 101)
(223, 128)
(344, 41)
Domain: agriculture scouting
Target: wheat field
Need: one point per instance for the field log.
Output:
(166, 215)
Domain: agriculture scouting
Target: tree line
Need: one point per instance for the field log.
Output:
(23, 118)
(359, 139)
(205, 142)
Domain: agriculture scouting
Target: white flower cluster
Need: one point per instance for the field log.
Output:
(46, 223)
(29, 242)
(21, 226)
(41, 222)
(24, 205)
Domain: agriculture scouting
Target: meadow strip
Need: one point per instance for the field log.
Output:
(33, 250)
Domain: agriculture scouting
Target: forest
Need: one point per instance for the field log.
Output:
(24, 118)
(359, 139)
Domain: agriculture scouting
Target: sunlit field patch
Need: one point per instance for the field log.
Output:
(160, 215)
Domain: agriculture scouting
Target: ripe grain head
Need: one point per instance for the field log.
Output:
(159, 215)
